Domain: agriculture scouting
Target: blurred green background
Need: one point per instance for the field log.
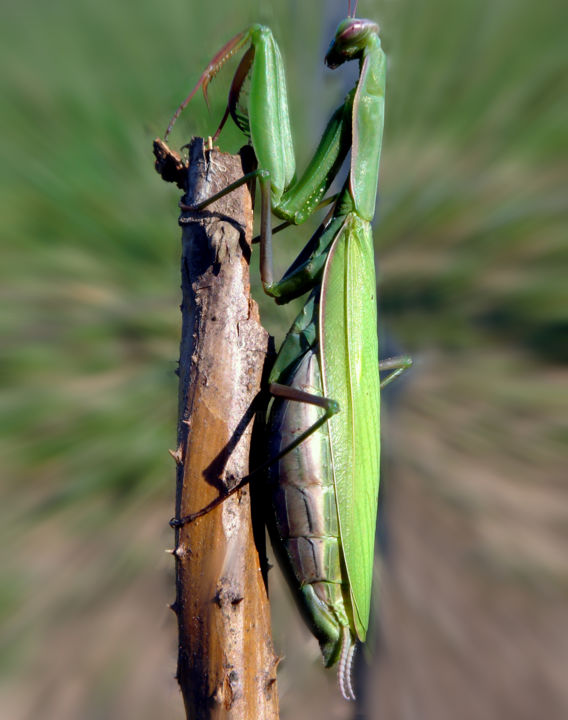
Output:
(472, 619)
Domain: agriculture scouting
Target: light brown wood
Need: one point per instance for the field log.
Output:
(226, 662)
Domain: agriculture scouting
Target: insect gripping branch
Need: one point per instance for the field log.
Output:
(323, 421)
(226, 662)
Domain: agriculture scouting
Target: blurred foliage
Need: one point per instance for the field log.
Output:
(470, 235)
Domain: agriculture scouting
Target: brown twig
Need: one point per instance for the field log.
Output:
(226, 662)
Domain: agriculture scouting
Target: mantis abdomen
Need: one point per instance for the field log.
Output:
(305, 510)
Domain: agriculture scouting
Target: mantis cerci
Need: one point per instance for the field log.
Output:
(324, 423)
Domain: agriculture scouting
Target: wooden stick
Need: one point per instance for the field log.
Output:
(226, 662)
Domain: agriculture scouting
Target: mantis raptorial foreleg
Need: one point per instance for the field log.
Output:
(265, 120)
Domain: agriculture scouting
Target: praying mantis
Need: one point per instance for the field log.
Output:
(323, 425)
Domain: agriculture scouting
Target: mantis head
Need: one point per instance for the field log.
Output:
(351, 38)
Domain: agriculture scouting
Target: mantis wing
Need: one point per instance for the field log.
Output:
(349, 361)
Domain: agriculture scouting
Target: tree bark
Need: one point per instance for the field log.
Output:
(226, 661)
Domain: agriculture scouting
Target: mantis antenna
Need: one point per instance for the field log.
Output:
(352, 13)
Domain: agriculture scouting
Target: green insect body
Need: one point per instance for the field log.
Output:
(324, 422)
(325, 490)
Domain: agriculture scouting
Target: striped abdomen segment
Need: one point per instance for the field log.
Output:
(303, 498)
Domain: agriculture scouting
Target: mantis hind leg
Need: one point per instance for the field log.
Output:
(397, 365)
(287, 393)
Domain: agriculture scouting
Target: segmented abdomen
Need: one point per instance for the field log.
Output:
(303, 497)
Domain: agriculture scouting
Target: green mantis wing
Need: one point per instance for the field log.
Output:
(349, 360)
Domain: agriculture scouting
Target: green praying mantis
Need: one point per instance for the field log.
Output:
(324, 421)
